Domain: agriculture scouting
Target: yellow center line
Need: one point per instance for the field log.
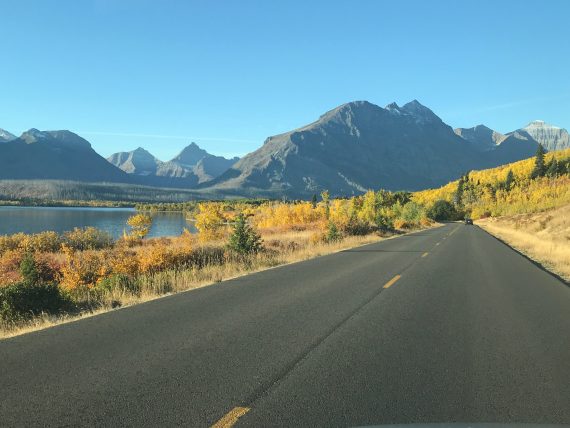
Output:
(453, 231)
(231, 417)
(392, 281)
(425, 254)
(437, 243)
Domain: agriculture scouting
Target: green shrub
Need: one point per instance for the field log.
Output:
(412, 212)
(442, 210)
(333, 233)
(29, 270)
(120, 282)
(384, 222)
(21, 301)
(243, 239)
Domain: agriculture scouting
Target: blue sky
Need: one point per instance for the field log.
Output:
(227, 74)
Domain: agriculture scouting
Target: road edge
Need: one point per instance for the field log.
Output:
(533, 261)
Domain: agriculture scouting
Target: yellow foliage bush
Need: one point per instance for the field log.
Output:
(38, 242)
(140, 225)
(125, 262)
(88, 238)
(155, 258)
(400, 223)
(210, 221)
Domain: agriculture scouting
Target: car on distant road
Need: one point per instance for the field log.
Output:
(468, 221)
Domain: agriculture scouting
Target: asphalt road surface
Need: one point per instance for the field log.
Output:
(444, 325)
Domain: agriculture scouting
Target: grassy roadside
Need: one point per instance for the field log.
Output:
(543, 237)
(285, 247)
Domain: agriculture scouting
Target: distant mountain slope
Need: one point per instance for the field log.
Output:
(190, 156)
(190, 167)
(55, 155)
(6, 136)
(482, 137)
(358, 146)
(203, 164)
(551, 137)
(138, 162)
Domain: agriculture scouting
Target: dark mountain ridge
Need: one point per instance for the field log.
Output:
(55, 155)
(358, 146)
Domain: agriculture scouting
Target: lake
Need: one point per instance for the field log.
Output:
(61, 219)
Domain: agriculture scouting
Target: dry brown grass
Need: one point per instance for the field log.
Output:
(544, 237)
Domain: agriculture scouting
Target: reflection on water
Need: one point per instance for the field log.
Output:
(61, 219)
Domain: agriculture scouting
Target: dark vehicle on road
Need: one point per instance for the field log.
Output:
(468, 221)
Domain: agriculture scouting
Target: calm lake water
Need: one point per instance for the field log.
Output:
(61, 219)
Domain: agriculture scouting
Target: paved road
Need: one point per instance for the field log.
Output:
(467, 331)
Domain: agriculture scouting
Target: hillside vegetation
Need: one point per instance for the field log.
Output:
(516, 188)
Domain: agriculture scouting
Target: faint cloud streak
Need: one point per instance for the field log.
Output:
(506, 105)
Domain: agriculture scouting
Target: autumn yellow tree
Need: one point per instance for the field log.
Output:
(140, 225)
(210, 221)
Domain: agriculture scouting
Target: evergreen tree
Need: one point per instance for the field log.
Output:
(509, 180)
(314, 201)
(539, 166)
(332, 233)
(28, 270)
(552, 169)
(244, 240)
(458, 196)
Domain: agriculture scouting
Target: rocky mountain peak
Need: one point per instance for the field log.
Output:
(190, 155)
(6, 136)
(421, 113)
(551, 137)
(33, 135)
(482, 137)
(393, 107)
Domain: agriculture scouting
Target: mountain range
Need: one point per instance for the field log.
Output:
(352, 148)
(190, 167)
(359, 145)
(58, 155)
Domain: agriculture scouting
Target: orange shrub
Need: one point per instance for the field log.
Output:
(155, 258)
(401, 224)
(83, 270)
(125, 262)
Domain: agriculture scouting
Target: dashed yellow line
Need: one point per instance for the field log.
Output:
(425, 254)
(231, 417)
(392, 281)
(453, 231)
